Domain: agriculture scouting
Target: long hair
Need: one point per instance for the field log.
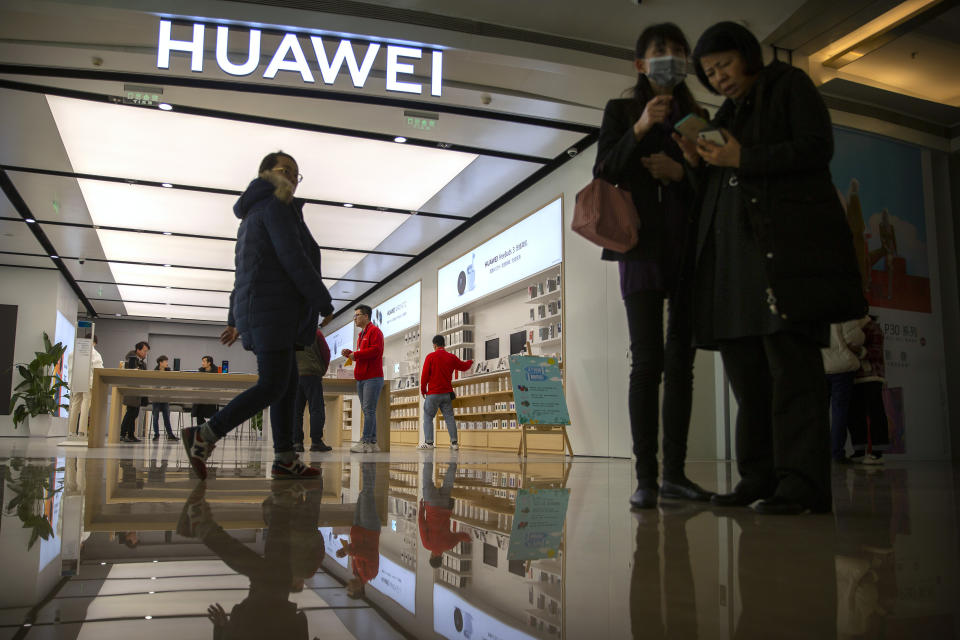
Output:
(661, 34)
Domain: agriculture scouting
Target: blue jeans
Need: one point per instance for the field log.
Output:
(431, 494)
(444, 403)
(161, 408)
(310, 391)
(369, 392)
(276, 388)
(840, 390)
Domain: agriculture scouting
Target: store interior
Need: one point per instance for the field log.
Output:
(442, 147)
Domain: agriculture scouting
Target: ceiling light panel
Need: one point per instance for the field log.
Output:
(172, 276)
(155, 209)
(149, 144)
(175, 296)
(350, 228)
(174, 311)
(160, 249)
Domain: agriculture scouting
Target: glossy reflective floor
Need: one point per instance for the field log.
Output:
(123, 543)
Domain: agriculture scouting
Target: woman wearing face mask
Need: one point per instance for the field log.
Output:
(636, 152)
(770, 210)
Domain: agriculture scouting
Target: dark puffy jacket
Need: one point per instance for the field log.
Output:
(278, 293)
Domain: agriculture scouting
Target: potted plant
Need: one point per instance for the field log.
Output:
(37, 397)
(32, 489)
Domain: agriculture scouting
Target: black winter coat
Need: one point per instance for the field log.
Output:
(619, 156)
(278, 292)
(788, 196)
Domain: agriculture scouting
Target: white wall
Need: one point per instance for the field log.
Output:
(38, 294)
(594, 322)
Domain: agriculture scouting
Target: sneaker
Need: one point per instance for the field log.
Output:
(134, 439)
(155, 438)
(360, 447)
(298, 447)
(872, 459)
(425, 445)
(320, 445)
(195, 510)
(372, 447)
(454, 445)
(198, 450)
(172, 438)
(295, 469)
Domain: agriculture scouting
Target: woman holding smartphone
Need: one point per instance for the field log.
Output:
(768, 207)
(636, 152)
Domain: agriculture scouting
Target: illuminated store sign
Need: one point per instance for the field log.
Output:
(528, 247)
(290, 56)
(400, 312)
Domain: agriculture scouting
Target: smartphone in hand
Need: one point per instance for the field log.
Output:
(713, 135)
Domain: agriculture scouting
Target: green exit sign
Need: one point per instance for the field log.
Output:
(420, 120)
(142, 95)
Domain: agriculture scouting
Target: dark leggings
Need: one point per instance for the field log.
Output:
(276, 388)
(651, 358)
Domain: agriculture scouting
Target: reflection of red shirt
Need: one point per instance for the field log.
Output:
(364, 548)
(435, 533)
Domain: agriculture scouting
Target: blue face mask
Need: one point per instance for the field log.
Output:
(667, 71)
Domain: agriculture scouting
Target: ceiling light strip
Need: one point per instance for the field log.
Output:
(229, 192)
(295, 92)
(276, 122)
(18, 203)
(176, 234)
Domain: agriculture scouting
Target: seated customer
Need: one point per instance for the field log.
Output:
(202, 412)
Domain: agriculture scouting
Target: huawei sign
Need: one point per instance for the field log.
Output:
(290, 56)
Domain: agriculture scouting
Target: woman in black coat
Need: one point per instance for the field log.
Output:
(635, 151)
(278, 296)
(768, 229)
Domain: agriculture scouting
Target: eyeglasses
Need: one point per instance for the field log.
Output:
(289, 173)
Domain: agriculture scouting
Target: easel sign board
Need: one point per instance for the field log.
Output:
(538, 391)
(538, 523)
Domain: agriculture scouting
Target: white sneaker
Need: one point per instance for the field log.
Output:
(360, 447)
(425, 445)
(872, 459)
(454, 445)
(372, 447)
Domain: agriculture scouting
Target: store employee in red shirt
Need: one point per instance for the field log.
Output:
(435, 387)
(369, 375)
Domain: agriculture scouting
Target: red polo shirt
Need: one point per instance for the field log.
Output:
(435, 533)
(438, 368)
(368, 355)
(364, 549)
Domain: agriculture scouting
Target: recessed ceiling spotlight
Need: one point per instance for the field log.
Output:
(118, 315)
(55, 257)
(166, 265)
(151, 591)
(148, 617)
(167, 233)
(348, 205)
(103, 564)
(163, 106)
(29, 220)
(166, 185)
(400, 139)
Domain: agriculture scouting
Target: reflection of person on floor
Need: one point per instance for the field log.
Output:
(865, 563)
(364, 545)
(888, 243)
(869, 432)
(857, 227)
(129, 539)
(293, 552)
(787, 577)
(436, 507)
(661, 608)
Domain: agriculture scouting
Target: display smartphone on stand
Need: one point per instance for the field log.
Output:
(225, 367)
(693, 127)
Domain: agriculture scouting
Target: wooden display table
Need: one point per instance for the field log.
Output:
(190, 387)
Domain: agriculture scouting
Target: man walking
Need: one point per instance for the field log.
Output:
(437, 390)
(369, 375)
(135, 359)
(312, 364)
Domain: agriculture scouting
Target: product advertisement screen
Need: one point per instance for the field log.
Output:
(400, 312)
(339, 340)
(455, 618)
(528, 247)
(65, 334)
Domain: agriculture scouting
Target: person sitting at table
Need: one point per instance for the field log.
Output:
(202, 412)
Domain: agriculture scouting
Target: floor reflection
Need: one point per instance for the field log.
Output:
(460, 545)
